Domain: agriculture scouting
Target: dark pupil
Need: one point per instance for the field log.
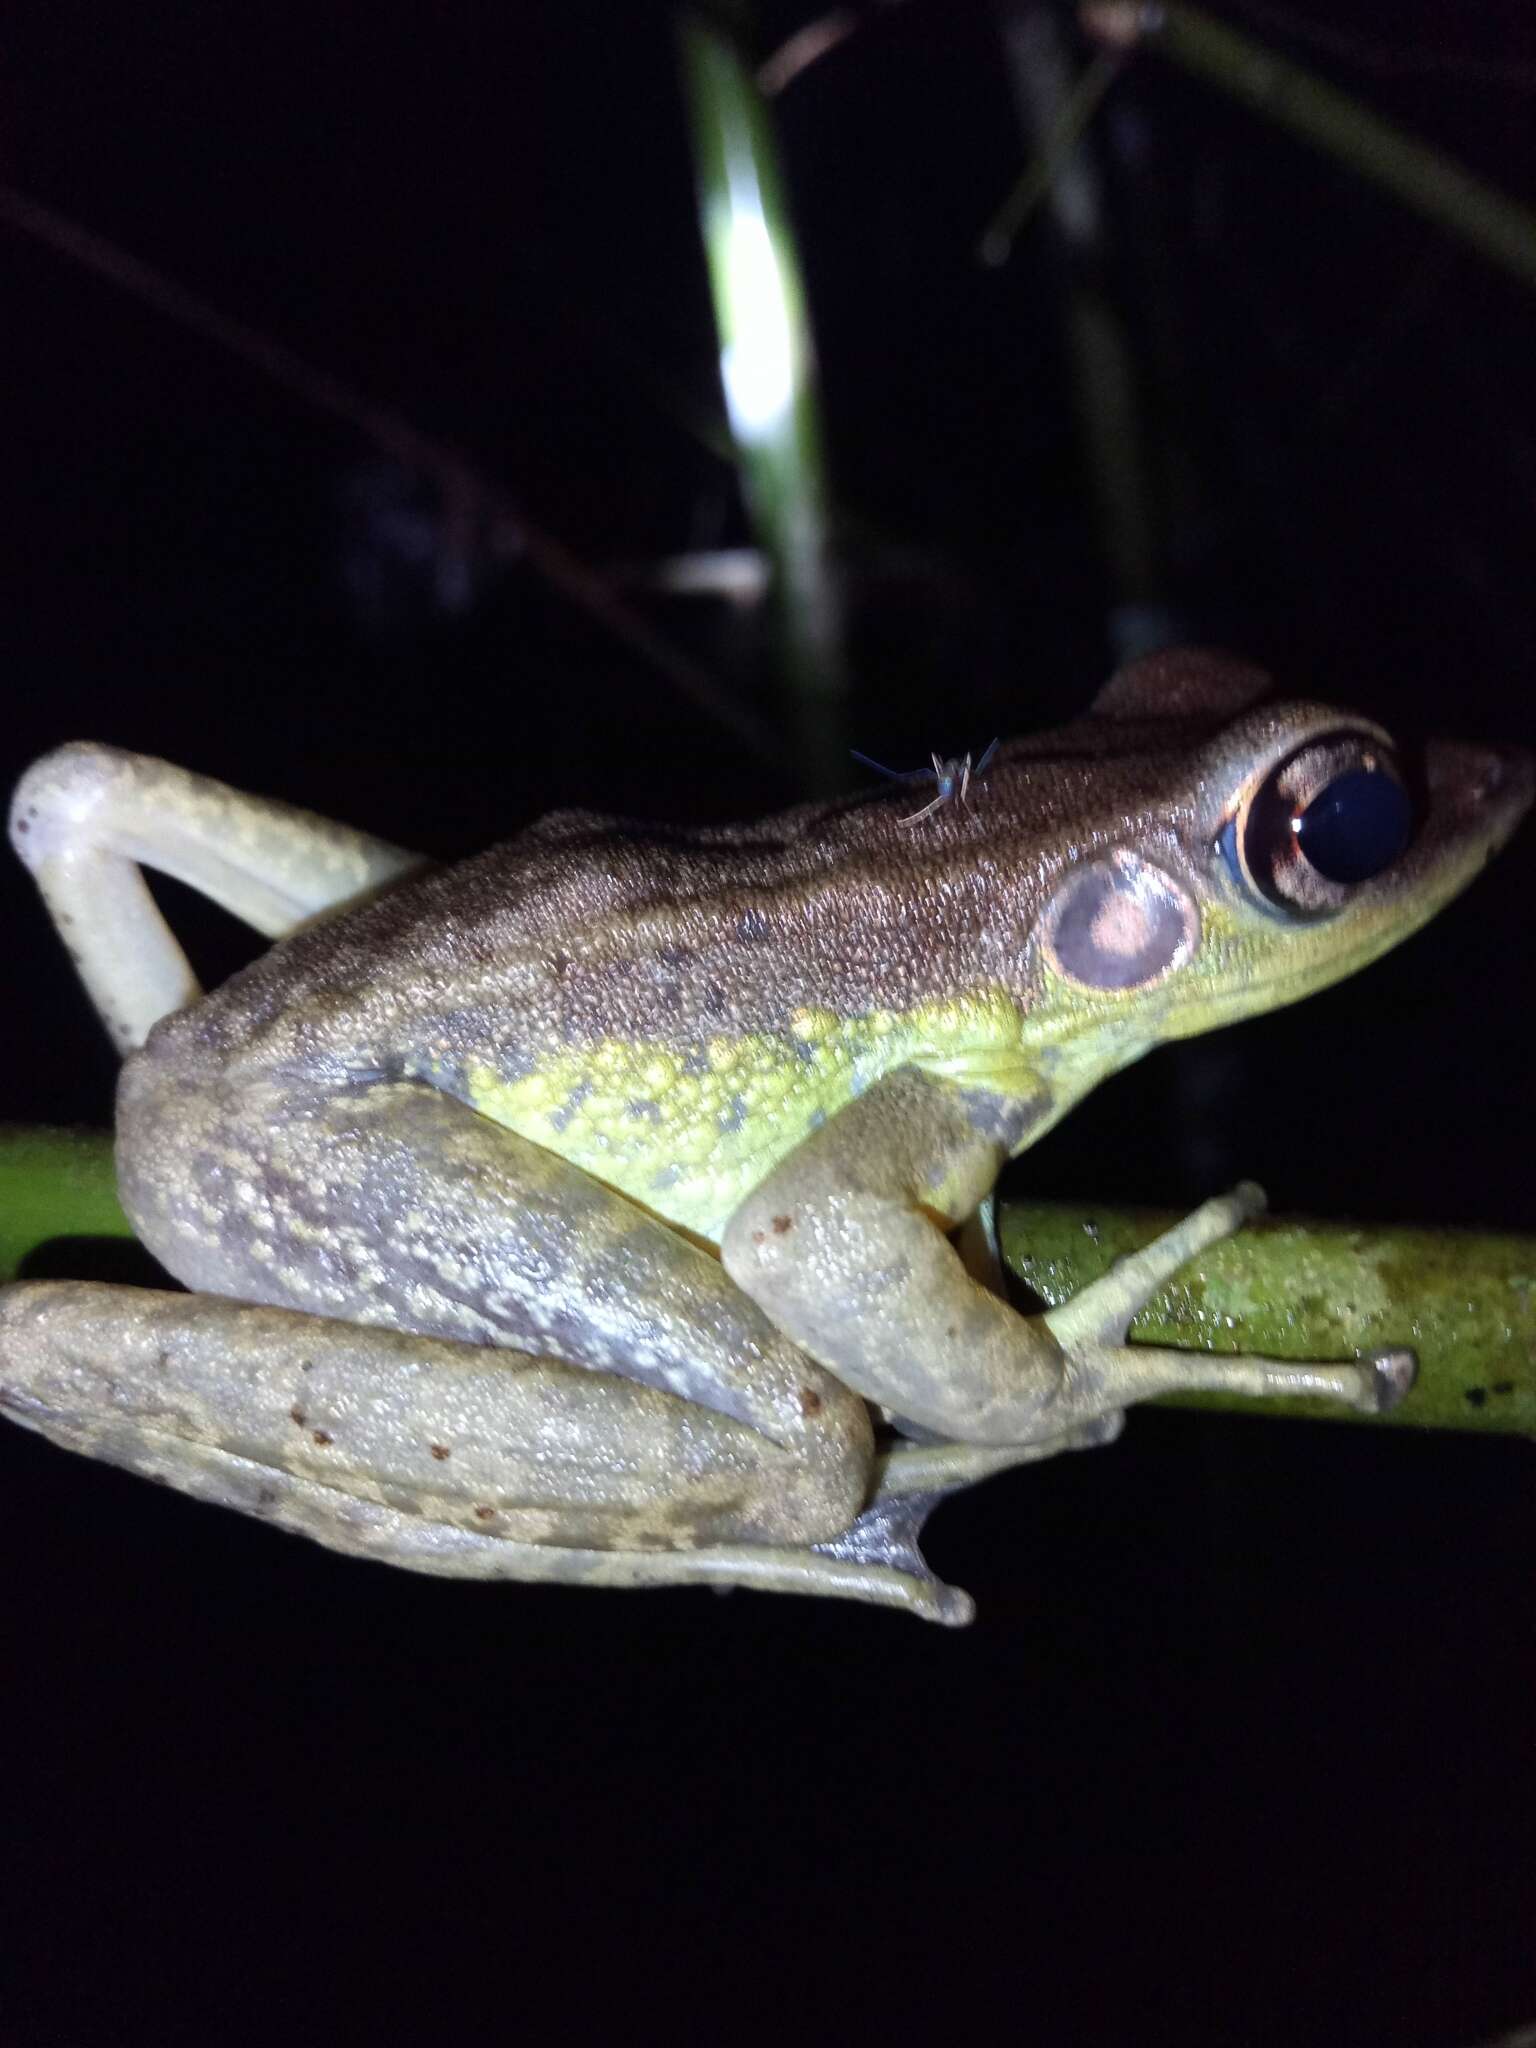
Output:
(1356, 827)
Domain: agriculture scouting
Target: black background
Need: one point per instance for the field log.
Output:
(1240, 1747)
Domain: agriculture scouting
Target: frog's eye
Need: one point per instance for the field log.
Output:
(1329, 817)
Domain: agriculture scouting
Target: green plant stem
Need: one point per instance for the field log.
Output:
(54, 1183)
(1464, 1301)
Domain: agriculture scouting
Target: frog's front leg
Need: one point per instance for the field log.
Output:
(844, 1244)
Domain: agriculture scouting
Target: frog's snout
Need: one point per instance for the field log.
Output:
(1513, 777)
(1485, 790)
(1508, 785)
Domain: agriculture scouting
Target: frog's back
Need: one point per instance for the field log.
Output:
(671, 1011)
(585, 930)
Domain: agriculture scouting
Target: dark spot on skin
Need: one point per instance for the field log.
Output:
(163, 1361)
(781, 1224)
(752, 927)
(322, 1437)
(296, 1414)
(952, 1333)
(22, 825)
(810, 1401)
(675, 956)
(440, 1451)
(267, 1497)
(1006, 1119)
(1503, 1387)
(571, 1104)
(758, 1236)
(715, 1004)
(485, 1514)
(306, 1365)
(1476, 1396)
(733, 1118)
(558, 963)
(65, 918)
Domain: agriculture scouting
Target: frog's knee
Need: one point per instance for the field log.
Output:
(826, 1495)
(833, 1466)
(59, 800)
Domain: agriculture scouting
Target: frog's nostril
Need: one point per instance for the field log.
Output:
(1510, 776)
(1503, 779)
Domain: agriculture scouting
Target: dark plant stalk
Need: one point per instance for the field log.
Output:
(768, 370)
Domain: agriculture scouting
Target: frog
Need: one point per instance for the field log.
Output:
(611, 1208)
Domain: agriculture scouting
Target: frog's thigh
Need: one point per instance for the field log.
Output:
(86, 818)
(384, 1442)
(397, 1204)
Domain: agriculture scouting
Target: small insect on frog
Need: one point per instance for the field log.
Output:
(583, 1211)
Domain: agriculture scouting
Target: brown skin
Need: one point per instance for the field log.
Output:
(472, 1146)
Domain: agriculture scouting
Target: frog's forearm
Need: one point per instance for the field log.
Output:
(844, 1245)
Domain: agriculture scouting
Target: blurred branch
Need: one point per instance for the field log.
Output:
(1464, 1301)
(1075, 110)
(1399, 59)
(469, 498)
(808, 45)
(768, 370)
(1099, 345)
(1425, 179)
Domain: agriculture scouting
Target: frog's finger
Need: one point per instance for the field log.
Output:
(942, 1468)
(1103, 1311)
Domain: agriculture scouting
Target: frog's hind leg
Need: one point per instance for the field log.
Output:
(460, 1460)
(86, 818)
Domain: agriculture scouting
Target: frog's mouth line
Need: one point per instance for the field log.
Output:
(1417, 903)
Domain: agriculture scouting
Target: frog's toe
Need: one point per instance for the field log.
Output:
(1393, 1373)
(887, 1534)
(1100, 1429)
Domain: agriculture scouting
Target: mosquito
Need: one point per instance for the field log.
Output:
(952, 779)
